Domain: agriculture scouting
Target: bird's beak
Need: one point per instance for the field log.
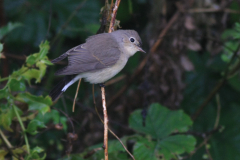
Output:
(141, 50)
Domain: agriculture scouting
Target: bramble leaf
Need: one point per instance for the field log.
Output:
(34, 125)
(35, 102)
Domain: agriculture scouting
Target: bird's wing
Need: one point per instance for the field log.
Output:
(97, 53)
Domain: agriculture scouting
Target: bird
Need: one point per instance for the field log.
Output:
(97, 60)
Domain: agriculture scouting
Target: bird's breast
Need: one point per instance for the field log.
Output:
(105, 74)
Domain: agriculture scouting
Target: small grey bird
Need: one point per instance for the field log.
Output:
(99, 59)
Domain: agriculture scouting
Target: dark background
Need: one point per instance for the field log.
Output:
(180, 75)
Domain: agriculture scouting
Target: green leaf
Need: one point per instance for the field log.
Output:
(44, 47)
(37, 150)
(36, 102)
(42, 70)
(32, 73)
(32, 59)
(47, 62)
(145, 150)
(8, 28)
(175, 145)
(167, 148)
(16, 84)
(160, 121)
(4, 93)
(20, 150)
(3, 153)
(54, 117)
(35, 73)
(33, 125)
(34, 154)
(6, 118)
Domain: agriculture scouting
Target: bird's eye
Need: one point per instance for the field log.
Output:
(132, 40)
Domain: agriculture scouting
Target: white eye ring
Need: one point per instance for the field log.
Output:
(131, 39)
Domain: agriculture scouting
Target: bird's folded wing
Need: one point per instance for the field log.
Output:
(97, 53)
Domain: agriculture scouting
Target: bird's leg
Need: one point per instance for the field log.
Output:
(102, 85)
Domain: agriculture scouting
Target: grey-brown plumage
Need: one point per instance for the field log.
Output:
(100, 58)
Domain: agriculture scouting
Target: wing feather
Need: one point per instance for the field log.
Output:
(92, 55)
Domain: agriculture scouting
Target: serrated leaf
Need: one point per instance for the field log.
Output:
(32, 73)
(35, 102)
(44, 47)
(175, 145)
(145, 150)
(160, 121)
(32, 59)
(35, 73)
(34, 125)
(16, 84)
(42, 70)
(167, 148)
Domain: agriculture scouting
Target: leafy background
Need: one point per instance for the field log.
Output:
(153, 115)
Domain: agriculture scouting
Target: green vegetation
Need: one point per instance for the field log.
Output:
(197, 127)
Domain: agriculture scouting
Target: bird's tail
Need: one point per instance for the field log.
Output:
(56, 92)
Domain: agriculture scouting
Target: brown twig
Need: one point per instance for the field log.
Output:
(144, 61)
(108, 127)
(74, 101)
(114, 14)
(111, 29)
(105, 143)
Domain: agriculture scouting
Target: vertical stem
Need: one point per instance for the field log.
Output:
(105, 143)
(74, 101)
(8, 144)
(114, 14)
(111, 29)
(23, 128)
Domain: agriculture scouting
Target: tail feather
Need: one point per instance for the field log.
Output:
(60, 58)
(56, 92)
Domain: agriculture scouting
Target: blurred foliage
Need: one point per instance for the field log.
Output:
(28, 123)
(14, 97)
(155, 139)
(208, 72)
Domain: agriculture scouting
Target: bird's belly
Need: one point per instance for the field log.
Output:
(105, 74)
